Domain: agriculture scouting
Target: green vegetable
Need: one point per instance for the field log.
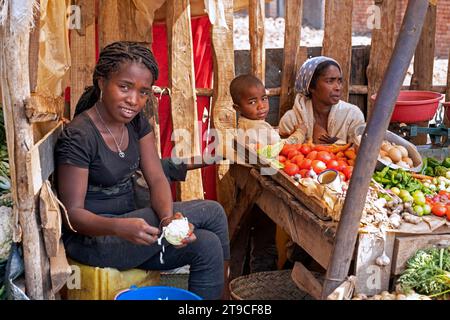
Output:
(428, 272)
(440, 171)
(429, 172)
(271, 151)
(446, 163)
(433, 162)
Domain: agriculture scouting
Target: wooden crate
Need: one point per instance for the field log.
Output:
(283, 179)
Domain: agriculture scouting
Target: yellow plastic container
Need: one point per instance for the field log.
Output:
(93, 283)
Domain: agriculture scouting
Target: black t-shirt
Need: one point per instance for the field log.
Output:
(82, 145)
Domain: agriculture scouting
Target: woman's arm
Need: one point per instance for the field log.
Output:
(72, 187)
(160, 194)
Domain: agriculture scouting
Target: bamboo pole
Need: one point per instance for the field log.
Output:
(347, 230)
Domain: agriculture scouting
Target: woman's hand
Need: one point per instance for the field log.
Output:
(325, 138)
(136, 230)
(191, 236)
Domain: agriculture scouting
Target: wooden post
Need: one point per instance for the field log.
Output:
(15, 84)
(348, 226)
(337, 39)
(447, 93)
(182, 83)
(224, 116)
(293, 26)
(108, 22)
(383, 40)
(422, 78)
(256, 16)
(82, 51)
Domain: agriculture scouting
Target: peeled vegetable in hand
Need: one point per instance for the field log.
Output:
(176, 231)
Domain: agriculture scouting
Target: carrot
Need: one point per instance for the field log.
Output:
(421, 176)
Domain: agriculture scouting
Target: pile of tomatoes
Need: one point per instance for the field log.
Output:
(301, 158)
(440, 204)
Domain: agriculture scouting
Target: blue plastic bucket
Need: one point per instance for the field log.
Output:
(156, 293)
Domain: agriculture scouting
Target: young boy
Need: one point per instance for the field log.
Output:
(251, 101)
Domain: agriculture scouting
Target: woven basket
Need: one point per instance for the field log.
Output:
(271, 285)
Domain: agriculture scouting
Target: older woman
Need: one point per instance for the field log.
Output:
(318, 113)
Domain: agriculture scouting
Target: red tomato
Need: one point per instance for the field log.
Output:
(306, 164)
(342, 165)
(323, 156)
(312, 155)
(439, 210)
(333, 164)
(298, 159)
(291, 169)
(318, 166)
(305, 149)
(343, 177)
(281, 158)
(348, 172)
(293, 153)
(304, 173)
(286, 149)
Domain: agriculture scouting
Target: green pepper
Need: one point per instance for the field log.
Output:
(440, 171)
(433, 163)
(429, 172)
(446, 163)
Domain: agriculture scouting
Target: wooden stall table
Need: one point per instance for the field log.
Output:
(307, 225)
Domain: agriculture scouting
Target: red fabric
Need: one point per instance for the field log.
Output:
(203, 68)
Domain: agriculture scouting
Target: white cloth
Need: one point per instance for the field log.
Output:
(298, 123)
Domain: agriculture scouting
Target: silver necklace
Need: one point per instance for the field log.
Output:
(121, 153)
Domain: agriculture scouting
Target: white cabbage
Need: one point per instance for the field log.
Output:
(176, 231)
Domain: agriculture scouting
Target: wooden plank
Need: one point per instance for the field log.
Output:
(39, 159)
(447, 93)
(33, 55)
(405, 247)
(358, 78)
(15, 83)
(244, 204)
(82, 52)
(306, 280)
(293, 23)
(108, 24)
(303, 226)
(422, 78)
(256, 16)
(372, 279)
(182, 84)
(337, 39)
(383, 41)
(224, 116)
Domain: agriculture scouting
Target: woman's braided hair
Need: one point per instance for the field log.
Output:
(109, 61)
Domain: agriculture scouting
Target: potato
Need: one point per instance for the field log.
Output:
(386, 145)
(387, 159)
(395, 154)
(408, 161)
(403, 150)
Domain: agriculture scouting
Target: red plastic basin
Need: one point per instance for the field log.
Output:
(415, 106)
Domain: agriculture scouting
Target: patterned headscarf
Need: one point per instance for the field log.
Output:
(306, 72)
